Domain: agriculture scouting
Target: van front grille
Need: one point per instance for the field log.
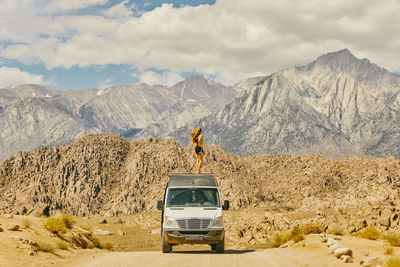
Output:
(193, 223)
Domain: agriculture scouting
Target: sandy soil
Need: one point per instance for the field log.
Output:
(310, 252)
(140, 246)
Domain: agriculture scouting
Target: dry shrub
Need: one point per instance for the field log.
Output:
(295, 234)
(312, 228)
(68, 220)
(61, 244)
(27, 223)
(369, 233)
(388, 250)
(90, 245)
(107, 245)
(278, 240)
(393, 240)
(96, 241)
(393, 262)
(55, 225)
(336, 229)
(46, 246)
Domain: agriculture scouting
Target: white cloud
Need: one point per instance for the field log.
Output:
(119, 10)
(66, 5)
(10, 77)
(231, 39)
(166, 78)
(105, 83)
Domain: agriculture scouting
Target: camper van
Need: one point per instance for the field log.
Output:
(192, 212)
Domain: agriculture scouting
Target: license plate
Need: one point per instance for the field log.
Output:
(194, 237)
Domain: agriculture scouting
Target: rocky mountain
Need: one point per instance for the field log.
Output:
(337, 106)
(34, 115)
(108, 175)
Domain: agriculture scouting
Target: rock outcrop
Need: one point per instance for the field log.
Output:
(106, 174)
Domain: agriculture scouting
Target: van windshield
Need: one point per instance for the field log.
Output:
(193, 197)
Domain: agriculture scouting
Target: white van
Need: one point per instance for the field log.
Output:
(192, 212)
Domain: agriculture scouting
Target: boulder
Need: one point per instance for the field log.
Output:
(120, 232)
(346, 259)
(339, 252)
(98, 231)
(13, 227)
(330, 242)
(334, 247)
(385, 221)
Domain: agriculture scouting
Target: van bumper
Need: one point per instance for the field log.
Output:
(177, 237)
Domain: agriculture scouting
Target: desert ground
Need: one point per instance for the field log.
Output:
(136, 242)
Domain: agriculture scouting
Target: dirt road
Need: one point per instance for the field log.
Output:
(270, 257)
(309, 252)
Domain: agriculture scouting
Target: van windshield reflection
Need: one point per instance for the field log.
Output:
(193, 197)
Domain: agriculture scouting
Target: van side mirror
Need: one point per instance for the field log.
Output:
(226, 205)
(160, 205)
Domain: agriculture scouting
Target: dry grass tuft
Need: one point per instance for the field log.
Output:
(369, 233)
(393, 240)
(46, 246)
(27, 223)
(393, 262)
(312, 228)
(336, 229)
(90, 245)
(55, 225)
(61, 244)
(68, 220)
(388, 250)
(96, 241)
(295, 234)
(107, 245)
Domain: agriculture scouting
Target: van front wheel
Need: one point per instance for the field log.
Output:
(166, 248)
(220, 247)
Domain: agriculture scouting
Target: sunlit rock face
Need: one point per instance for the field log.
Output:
(337, 106)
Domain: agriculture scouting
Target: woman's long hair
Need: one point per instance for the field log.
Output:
(195, 135)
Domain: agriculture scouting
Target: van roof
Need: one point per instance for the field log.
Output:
(192, 180)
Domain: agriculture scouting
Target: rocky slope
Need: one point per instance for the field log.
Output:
(35, 115)
(337, 106)
(108, 175)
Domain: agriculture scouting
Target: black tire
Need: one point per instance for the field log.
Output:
(166, 247)
(220, 247)
(213, 247)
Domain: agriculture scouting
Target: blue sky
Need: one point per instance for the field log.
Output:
(76, 44)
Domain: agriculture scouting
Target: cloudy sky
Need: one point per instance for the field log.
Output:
(76, 44)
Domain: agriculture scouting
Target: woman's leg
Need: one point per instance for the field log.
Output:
(200, 161)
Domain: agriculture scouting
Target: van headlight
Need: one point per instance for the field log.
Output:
(218, 222)
(169, 222)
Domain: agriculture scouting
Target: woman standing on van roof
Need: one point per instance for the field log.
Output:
(197, 139)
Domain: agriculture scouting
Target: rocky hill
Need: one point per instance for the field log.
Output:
(336, 106)
(108, 175)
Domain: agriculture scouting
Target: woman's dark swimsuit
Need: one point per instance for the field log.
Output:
(199, 149)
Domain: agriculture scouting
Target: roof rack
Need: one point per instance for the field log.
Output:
(190, 179)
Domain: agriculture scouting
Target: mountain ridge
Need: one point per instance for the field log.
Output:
(348, 117)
